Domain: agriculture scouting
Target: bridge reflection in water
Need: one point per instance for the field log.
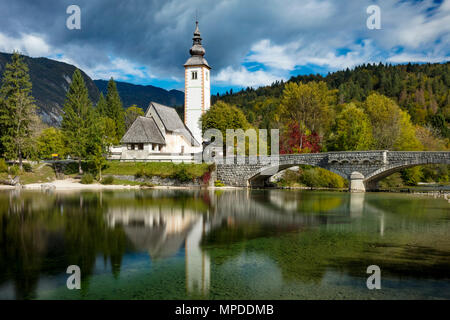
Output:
(163, 231)
(222, 244)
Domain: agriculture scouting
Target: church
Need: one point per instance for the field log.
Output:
(161, 135)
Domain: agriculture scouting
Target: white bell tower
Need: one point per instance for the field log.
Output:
(197, 90)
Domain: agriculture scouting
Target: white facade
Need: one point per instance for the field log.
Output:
(197, 89)
(197, 97)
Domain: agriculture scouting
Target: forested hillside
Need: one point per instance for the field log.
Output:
(132, 94)
(51, 80)
(423, 90)
(372, 107)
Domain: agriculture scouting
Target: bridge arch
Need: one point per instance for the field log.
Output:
(261, 177)
(371, 180)
(362, 168)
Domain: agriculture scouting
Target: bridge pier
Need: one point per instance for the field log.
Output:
(357, 182)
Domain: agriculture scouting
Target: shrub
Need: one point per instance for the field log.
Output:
(218, 183)
(108, 180)
(321, 178)
(14, 170)
(140, 173)
(206, 177)
(412, 176)
(393, 181)
(27, 167)
(182, 174)
(310, 178)
(3, 166)
(87, 178)
(147, 185)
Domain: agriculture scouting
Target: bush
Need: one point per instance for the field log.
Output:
(14, 170)
(140, 173)
(3, 166)
(393, 181)
(206, 177)
(310, 178)
(321, 178)
(218, 183)
(108, 180)
(147, 185)
(182, 174)
(412, 176)
(27, 167)
(87, 178)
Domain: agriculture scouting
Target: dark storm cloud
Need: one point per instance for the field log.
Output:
(277, 35)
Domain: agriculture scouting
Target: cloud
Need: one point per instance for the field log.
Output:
(28, 44)
(245, 78)
(143, 39)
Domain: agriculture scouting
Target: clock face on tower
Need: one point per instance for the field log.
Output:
(197, 86)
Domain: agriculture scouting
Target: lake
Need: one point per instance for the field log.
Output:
(223, 244)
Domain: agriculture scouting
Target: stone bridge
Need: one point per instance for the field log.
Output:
(363, 169)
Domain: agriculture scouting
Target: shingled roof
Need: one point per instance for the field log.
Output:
(171, 121)
(143, 130)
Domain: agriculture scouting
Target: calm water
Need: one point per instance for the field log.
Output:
(239, 244)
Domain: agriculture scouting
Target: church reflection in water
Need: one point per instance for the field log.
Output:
(162, 232)
(54, 230)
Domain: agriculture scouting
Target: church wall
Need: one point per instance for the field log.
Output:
(174, 142)
(195, 101)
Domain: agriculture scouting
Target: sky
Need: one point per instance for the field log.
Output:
(248, 43)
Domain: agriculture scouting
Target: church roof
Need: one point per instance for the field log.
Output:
(196, 61)
(172, 122)
(143, 130)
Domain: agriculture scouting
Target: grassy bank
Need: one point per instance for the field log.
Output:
(37, 173)
(159, 169)
(43, 172)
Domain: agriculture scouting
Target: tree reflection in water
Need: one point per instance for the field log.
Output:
(299, 236)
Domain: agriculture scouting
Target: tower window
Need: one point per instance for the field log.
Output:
(194, 75)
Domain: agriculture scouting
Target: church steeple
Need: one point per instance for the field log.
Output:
(197, 89)
(197, 51)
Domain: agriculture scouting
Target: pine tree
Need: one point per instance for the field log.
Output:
(101, 106)
(114, 108)
(17, 109)
(78, 120)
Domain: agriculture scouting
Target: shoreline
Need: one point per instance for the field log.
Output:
(75, 185)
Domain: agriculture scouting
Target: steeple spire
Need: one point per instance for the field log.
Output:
(197, 51)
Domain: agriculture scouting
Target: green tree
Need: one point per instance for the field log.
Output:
(114, 109)
(50, 141)
(17, 109)
(131, 113)
(78, 119)
(101, 107)
(223, 116)
(353, 130)
(391, 127)
(309, 105)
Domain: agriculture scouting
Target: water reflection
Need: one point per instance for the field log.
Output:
(226, 242)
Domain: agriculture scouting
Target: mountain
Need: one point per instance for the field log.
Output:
(51, 80)
(142, 95)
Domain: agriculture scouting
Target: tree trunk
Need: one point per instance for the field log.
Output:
(80, 171)
(20, 159)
